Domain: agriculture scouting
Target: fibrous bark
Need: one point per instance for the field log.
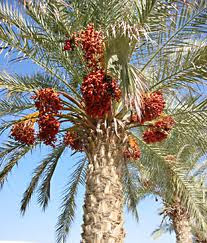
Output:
(200, 239)
(103, 208)
(181, 223)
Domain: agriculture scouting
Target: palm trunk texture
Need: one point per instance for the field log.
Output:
(103, 208)
(201, 241)
(181, 224)
(198, 239)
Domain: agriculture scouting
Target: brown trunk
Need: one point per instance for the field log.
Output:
(181, 223)
(103, 209)
(199, 239)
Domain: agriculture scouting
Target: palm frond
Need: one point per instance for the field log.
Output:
(4, 125)
(190, 116)
(187, 20)
(186, 67)
(8, 148)
(152, 15)
(68, 204)
(165, 227)
(152, 158)
(34, 182)
(52, 17)
(12, 153)
(12, 84)
(16, 84)
(137, 186)
(175, 181)
(103, 13)
(44, 188)
(199, 169)
(192, 197)
(130, 185)
(14, 106)
(34, 44)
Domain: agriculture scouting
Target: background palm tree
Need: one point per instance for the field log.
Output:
(182, 163)
(145, 50)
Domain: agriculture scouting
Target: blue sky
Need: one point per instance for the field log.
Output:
(38, 226)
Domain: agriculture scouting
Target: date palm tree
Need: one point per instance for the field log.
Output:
(106, 68)
(185, 228)
(182, 163)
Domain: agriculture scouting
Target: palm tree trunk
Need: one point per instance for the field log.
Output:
(103, 208)
(182, 230)
(199, 239)
(181, 224)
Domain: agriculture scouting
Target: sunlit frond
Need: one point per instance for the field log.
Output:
(12, 153)
(44, 188)
(68, 203)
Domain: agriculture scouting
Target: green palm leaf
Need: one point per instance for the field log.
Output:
(12, 152)
(44, 188)
(68, 204)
